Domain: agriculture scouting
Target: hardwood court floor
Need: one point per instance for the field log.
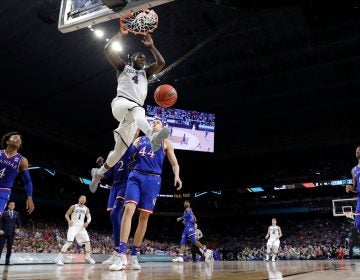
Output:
(307, 270)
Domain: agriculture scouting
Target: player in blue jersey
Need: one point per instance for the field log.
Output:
(11, 164)
(127, 106)
(143, 187)
(189, 232)
(355, 172)
(118, 175)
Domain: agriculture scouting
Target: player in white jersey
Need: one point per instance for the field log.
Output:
(127, 106)
(77, 229)
(273, 235)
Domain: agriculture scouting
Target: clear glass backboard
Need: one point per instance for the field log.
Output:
(77, 14)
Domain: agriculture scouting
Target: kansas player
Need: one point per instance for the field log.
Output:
(127, 105)
(75, 217)
(143, 187)
(11, 164)
(273, 234)
(190, 233)
(355, 172)
(118, 175)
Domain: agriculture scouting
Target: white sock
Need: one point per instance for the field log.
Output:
(102, 170)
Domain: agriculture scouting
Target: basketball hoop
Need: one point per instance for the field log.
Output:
(141, 22)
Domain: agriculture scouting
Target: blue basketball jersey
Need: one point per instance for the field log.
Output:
(356, 171)
(119, 173)
(189, 218)
(147, 160)
(9, 169)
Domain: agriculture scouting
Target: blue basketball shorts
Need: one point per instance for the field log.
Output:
(143, 190)
(117, 192)
(188, 233)
(4, 198)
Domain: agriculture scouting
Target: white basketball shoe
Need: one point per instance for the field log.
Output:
(157, 137)
(111, 260)
(95, 179)
(178, 259)
(119, 263)
(134, 263)
(208, 255)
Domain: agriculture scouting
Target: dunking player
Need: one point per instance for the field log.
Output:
(127, 105)
(11, 164)
(143, 187)
(189, 233)
(273, 234)
(118, 175)
(355, 172)
(77, 229)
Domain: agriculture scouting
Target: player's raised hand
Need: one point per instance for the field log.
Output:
(178, 183)
(30, 205)
(124, 31)
(349, 188)
(100, 161)
(148, 41)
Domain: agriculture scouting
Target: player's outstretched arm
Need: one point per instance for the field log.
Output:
(169, 150)
(24, 172)
(112, 55)
(268, 233)
(159, 63)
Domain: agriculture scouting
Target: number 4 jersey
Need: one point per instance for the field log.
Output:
(133, 85)
(9, 169)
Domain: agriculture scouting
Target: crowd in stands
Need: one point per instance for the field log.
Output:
(321, 238)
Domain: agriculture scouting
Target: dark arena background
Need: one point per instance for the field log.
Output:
(280, 80)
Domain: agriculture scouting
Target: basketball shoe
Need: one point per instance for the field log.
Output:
(60, 260)
(119, 263)
(95, 179)
(157, 137)
(178, 259)
(134, 263)
(111, 259)
(90, 260)
(208, 255)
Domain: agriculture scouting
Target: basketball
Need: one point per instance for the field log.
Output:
(165, 95)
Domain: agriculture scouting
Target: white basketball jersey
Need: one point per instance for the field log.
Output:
(274, 232)
(133, 84)
(78, 215)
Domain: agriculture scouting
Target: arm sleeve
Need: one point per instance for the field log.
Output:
(88, 218)
(108, 175)
(27, 180)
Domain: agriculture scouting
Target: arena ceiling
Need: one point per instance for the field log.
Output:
(282, 78)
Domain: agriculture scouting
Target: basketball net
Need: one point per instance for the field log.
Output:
(141, 22)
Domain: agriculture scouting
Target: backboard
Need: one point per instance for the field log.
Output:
(77, 14)
(341, 206)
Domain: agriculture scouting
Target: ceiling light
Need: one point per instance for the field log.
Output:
(99, 33)
(116, 46)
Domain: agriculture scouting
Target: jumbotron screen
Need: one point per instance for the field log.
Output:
(190, 130)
